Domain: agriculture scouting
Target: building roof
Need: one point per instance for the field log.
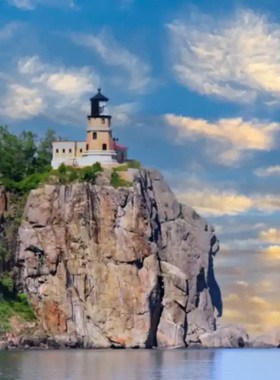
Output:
(118, 146)
(99, 96)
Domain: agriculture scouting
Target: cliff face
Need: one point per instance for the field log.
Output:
(127, 267)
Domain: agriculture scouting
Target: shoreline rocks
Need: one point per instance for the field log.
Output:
(269, 339)
(233, 336)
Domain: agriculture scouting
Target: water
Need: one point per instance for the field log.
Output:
(141, 365)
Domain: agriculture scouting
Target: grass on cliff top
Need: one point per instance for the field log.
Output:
(66, 175)
(133, 164)
(12, 304)
(63, 175)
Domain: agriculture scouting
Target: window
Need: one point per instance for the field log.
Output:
(87, 147)
(57, 150)
(94, 135)
(70, 150)
(81, 150)
(63, 150)
(103, 120)
(104, 147)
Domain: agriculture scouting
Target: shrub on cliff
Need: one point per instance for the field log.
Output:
(12, 304)
(89, 173)
(69, 174)
(26, 185)
(117, 181)
(63, 175)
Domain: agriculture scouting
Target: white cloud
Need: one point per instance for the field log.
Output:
(136, 75)
(268, 172)
(122, 113)
(37, 88)
(253, 304)
(233, 137)
(221, 200)
(217, 203)
(30, 5)
(65, 81)
(23, 4)
(22, 102)
(271, 253)
(272, 236)
(57, 92)
(8, 31)
(235, 58)
(30, 65)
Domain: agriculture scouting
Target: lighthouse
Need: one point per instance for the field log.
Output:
(99, 141)
(99, 145)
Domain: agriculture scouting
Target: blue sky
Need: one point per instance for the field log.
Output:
(194, 91)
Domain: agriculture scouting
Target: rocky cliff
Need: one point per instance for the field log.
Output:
(126, 267)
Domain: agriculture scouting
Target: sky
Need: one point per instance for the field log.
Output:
(194, 91)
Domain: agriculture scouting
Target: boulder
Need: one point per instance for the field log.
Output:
(270, 339)
(3, 345)
(228, 336)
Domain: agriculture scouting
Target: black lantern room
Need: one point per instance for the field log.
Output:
(98, 105)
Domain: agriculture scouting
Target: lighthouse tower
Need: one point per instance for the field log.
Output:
(100, 146)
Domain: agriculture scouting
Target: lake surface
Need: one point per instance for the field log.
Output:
(141, 365)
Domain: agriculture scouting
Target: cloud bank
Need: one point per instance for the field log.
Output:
(236, 58)
(233, 137)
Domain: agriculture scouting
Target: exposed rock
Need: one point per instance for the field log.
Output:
(52, 343)
(3, 345)
(104, 178)
(32, 341)
(270, 339)
(3, 201)
(195, 346)
(228, 336)
(127, 267)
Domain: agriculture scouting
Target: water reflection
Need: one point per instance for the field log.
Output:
(140, 365)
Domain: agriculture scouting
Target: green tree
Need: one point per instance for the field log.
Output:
(29, 150)
(44, 153)
(24, 155)
(16, 154)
